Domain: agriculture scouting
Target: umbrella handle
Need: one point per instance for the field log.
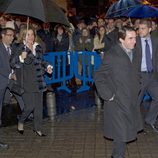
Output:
(27, 27)
(28, 20)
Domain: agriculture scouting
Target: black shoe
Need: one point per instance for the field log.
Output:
(153, 127)
(39, 133)
(3, 146)
(20, 131)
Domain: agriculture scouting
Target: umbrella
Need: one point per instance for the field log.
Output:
(121, 6)
(44, 10)
(143, 11)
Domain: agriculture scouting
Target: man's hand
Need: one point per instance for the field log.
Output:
(49, 69)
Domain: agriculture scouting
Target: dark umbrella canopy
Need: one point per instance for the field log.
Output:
(121, 6)
(44, 10)
(144, 11)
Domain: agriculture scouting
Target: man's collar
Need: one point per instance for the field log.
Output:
(6, 46)
(125, 49)
(144, 38)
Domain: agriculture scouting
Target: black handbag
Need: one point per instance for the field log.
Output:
(16, 88)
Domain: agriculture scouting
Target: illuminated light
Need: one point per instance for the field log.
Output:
(146, 2)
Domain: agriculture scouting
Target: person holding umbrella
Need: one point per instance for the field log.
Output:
(30, 68)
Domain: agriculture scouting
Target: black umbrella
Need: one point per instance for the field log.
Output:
(121, 6)
(44, 10)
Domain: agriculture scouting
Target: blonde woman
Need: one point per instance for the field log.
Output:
(29, 67)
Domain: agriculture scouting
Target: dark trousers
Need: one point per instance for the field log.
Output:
(2, 93)
(150, 85)
(118, 149)
(19, 99)
(33, 103)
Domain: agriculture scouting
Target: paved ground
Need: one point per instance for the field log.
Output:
(76, 134)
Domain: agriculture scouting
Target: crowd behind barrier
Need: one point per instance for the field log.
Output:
(65, 67)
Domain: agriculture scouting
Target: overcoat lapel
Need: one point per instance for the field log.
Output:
(123, 54)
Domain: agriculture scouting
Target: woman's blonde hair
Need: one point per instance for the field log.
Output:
(23, 31)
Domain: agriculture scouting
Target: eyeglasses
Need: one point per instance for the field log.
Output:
(10, 35)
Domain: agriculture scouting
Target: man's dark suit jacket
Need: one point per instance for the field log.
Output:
(5, 69)
(138, 53)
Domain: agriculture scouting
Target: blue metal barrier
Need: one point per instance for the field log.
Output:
(146, 97)
(63, 71)
(89, 62)
(62, 68)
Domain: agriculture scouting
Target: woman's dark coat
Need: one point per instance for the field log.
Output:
(30, 73)
(60, 46)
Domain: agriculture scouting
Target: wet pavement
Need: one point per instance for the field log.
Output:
(77, 134)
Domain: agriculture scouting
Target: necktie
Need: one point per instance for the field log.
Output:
(8, 50)
(148, 57)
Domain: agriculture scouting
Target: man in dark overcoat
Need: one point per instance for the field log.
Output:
(117, 82)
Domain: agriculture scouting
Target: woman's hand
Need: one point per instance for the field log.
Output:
(23, 55)
(13, 76)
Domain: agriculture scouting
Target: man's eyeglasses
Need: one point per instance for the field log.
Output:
(10, 35)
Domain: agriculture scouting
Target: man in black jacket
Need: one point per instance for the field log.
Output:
(146, 49)
(5, 70)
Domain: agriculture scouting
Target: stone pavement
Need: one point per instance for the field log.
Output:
(77, 134)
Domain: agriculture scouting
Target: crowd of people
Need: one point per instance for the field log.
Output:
(128, 71)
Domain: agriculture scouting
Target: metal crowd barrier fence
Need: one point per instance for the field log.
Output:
(62, 68)
(81, 64)
(67, 65)
(86, 63)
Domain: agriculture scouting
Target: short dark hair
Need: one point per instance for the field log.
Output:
(146, 22)
(123, 31)
(4, 30)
